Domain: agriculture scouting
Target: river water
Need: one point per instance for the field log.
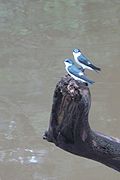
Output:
(35, 37)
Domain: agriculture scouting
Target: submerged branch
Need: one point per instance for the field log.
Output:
(69, 127)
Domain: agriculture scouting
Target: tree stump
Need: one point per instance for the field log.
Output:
(69, 128)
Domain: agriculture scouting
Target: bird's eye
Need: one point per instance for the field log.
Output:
(66, 60)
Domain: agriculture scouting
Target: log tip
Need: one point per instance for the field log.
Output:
(68, 85)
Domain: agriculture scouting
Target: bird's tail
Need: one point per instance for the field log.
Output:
(95, 68)
(85, 78)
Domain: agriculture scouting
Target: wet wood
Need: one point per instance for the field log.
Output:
(69, 128)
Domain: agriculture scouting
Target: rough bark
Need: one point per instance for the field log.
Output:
(69, 128)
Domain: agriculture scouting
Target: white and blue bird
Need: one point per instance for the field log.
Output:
(76, 72)
(83, 61)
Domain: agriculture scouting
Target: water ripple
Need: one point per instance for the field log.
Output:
(23, 156)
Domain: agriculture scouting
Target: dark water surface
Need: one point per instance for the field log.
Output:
(35, 37)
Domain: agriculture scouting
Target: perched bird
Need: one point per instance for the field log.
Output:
(76, 72)
(81, 60)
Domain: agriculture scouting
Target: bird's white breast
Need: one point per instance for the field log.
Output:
(76, 55)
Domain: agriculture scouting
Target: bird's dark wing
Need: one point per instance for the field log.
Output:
(87, 62)
(78, 73)
(74, 70)
(84, 60)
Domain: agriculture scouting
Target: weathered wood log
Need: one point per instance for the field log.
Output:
(69, 128)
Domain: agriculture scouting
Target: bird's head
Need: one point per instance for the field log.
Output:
(68, 62)
(76, 52)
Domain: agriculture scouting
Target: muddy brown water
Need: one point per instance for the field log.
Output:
(35, 37)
